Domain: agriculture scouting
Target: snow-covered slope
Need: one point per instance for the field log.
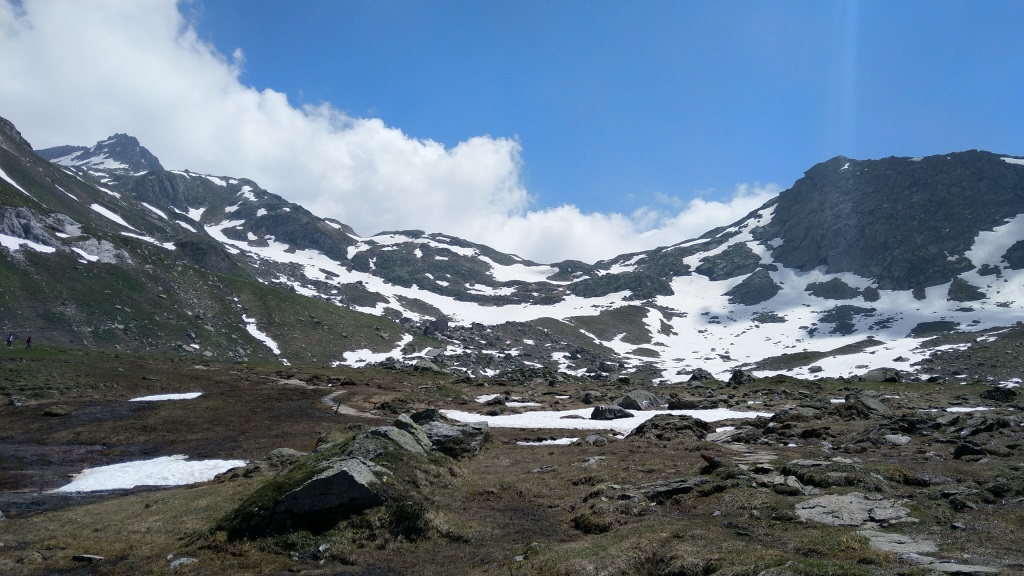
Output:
(853, 268)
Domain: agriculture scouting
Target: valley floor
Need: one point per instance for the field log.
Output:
(844, 477)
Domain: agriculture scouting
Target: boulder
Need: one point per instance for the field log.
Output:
(426, 366)
(610, 413)
(883, 375)
(342, 478)
(401, 438)
(742, 377)
(593, 439)
(701, 375)
(639, 400)
(668, 427)
(347, 486)
(457, 439)
(896, 439)
(407, 424)
(1000, 394)
(867, 406)
(283, 456)
(427, 415)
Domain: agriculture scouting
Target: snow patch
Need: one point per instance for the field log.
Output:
(110, 215)
(162, 397)
(174, 470)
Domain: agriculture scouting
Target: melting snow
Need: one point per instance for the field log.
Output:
(85, 255)
(164, 245)
(13, 243)
(250, 326)
(1014, 160)
(13, 183)
(555, 442)
(160, 397)
(164, 471)
(156, 211)
(110, 215)
(108, 191)
(579, 419)
(363, 357)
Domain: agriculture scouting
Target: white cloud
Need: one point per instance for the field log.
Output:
(84, 70)
(566, 233)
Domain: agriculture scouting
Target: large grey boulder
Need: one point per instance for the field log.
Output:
(457, 439)
(867, 406)
(701, 375)
(400, 438)
(667, 427)
(1000, 394)
(883, 375)
(610, 413)
(345, 487)
(639, 400)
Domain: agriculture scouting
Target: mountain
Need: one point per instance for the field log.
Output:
(861, 264)
(120, 153)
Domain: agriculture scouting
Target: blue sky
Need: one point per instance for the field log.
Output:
(555, 129)
(615, 101)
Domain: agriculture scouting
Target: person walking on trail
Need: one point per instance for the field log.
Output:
(10, 339)
(28, 343)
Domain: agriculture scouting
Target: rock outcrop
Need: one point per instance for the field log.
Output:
(352, 475)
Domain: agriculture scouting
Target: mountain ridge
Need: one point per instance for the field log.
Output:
(854, 252)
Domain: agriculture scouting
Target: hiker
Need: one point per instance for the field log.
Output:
(28, 343)
(10, 339)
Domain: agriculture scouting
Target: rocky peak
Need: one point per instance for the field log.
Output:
(119, 152)
(906, 222)
(10, 137)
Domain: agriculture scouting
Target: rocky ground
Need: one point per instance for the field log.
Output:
(846, 476)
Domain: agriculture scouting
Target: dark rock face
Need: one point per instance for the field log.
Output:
(206, 255)
(933, 328)
(736, 260)
(1014, 256)
(961, 291)
(754, 289)
(834, 289)
(897, 220)
(842, 318)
